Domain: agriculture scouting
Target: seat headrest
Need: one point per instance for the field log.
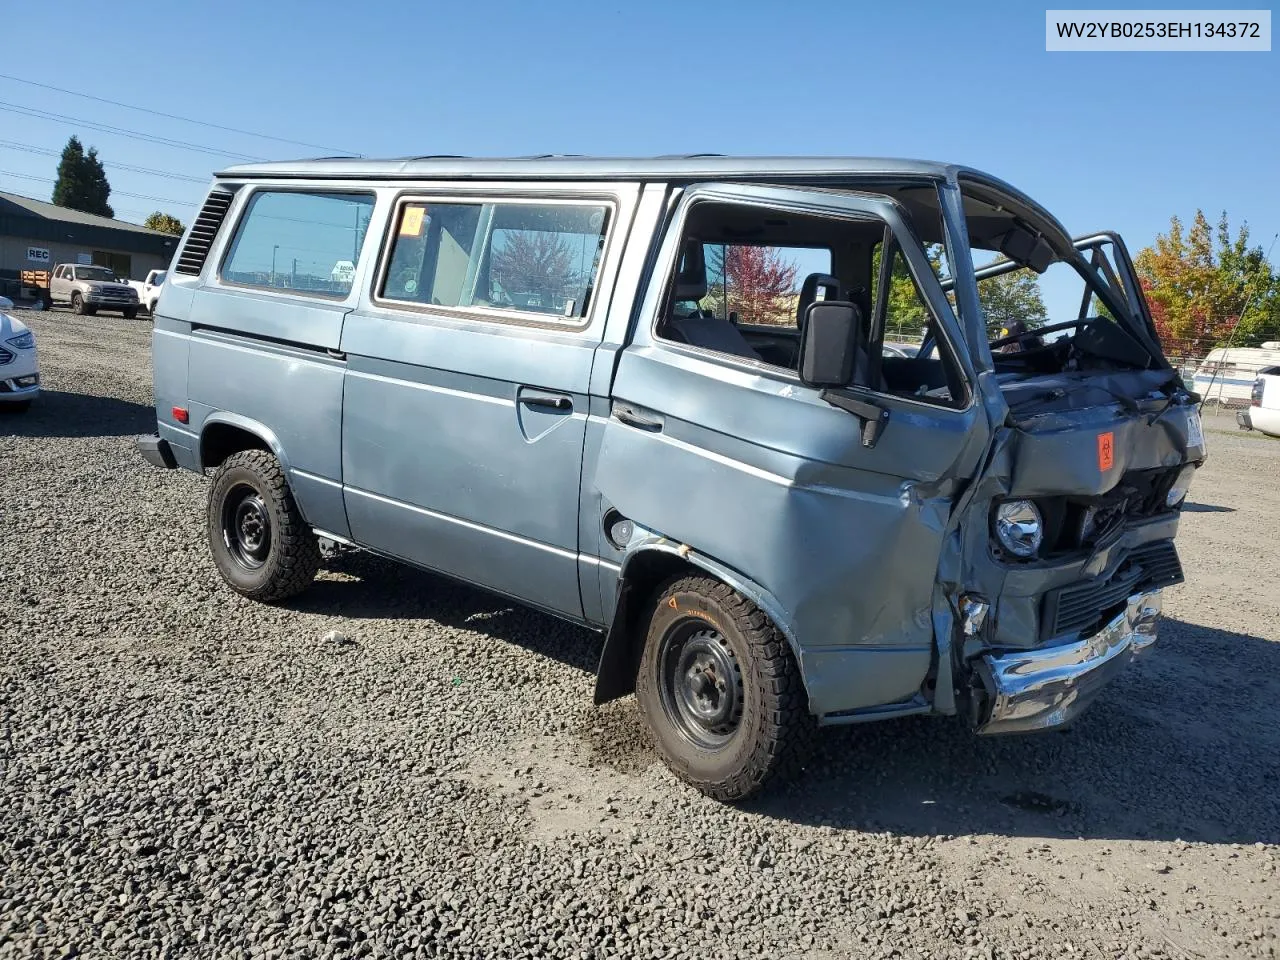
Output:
(814, 282)
(691, 275)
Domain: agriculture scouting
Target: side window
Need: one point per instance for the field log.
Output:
(759, 285)
(742, 300)
(529, 258)
(906, 319)
(304, 242)
(903, 323)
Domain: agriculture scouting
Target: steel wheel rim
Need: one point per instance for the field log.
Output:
(700, 683)
(246, 527)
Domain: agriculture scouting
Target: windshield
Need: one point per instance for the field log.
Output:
(95, 273)
(1047, 309)
(159, 278)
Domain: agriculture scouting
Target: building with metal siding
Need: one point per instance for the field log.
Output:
(35, 235)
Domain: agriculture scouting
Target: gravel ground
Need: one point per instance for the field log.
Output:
(184, 773)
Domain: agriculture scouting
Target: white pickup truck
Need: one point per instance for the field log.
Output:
(149, 289)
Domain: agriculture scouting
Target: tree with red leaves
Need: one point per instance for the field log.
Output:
(533, 262)
(1207, 287)
(757, 283)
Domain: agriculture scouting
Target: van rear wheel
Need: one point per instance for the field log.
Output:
(721, 691)
(261, 544)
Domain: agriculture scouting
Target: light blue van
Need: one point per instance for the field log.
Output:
(669, 399)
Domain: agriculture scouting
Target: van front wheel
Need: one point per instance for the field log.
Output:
(721, 691)
(262, 546)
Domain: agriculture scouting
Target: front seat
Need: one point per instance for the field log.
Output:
(701, 328)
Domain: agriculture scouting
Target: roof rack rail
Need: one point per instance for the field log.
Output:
(549, 156)
(687, 156)
(439, 156)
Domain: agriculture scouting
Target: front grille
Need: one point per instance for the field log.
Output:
(1082, 608)
(5, 356)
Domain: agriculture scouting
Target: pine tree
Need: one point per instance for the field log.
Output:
(82, 182)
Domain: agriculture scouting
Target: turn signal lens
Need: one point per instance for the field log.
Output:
(1181, 487)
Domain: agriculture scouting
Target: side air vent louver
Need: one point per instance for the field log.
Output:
(200, 240)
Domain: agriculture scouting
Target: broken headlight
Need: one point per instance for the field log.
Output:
(1019, 527)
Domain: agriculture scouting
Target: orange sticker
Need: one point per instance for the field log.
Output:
(1106, 450)
(411, 221)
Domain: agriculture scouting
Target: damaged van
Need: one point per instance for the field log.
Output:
(668, 399)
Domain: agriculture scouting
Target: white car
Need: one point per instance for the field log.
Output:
(19, 369)
(892, 348)
(149, 289)
(1263, 412)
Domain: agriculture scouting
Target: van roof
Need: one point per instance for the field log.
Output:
(814, 171)
(561, 166)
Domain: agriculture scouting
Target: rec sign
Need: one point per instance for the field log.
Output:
(38, 255)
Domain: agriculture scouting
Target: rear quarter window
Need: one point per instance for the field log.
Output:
(299, 241)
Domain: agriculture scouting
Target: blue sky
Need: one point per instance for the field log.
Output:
(1103, 140)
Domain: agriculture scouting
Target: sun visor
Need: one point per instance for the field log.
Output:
(1028, 249)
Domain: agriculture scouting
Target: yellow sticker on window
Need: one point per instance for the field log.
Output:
(411, 221)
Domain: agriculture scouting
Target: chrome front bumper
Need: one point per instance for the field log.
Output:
(1041, 689)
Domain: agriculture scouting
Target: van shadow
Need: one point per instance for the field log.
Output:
(56, 413)
(373, 588)
(1190, 507)
(1183, 745)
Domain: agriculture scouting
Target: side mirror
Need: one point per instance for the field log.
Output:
(829, 343)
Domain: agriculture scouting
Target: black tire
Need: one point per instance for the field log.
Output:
(77, 304)
(262, 546)
(22, 406)
(130, 313)
(756, 726)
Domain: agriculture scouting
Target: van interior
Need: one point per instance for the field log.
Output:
(1089, 328)
(744, 282)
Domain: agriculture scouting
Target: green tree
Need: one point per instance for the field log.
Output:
(82, 183)
(1009, 297)
(164, 223)
(1206, 287)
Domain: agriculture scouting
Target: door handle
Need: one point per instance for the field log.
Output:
(633, 417)
(553, 401)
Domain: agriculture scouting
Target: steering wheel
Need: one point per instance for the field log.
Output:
(1040, 331)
